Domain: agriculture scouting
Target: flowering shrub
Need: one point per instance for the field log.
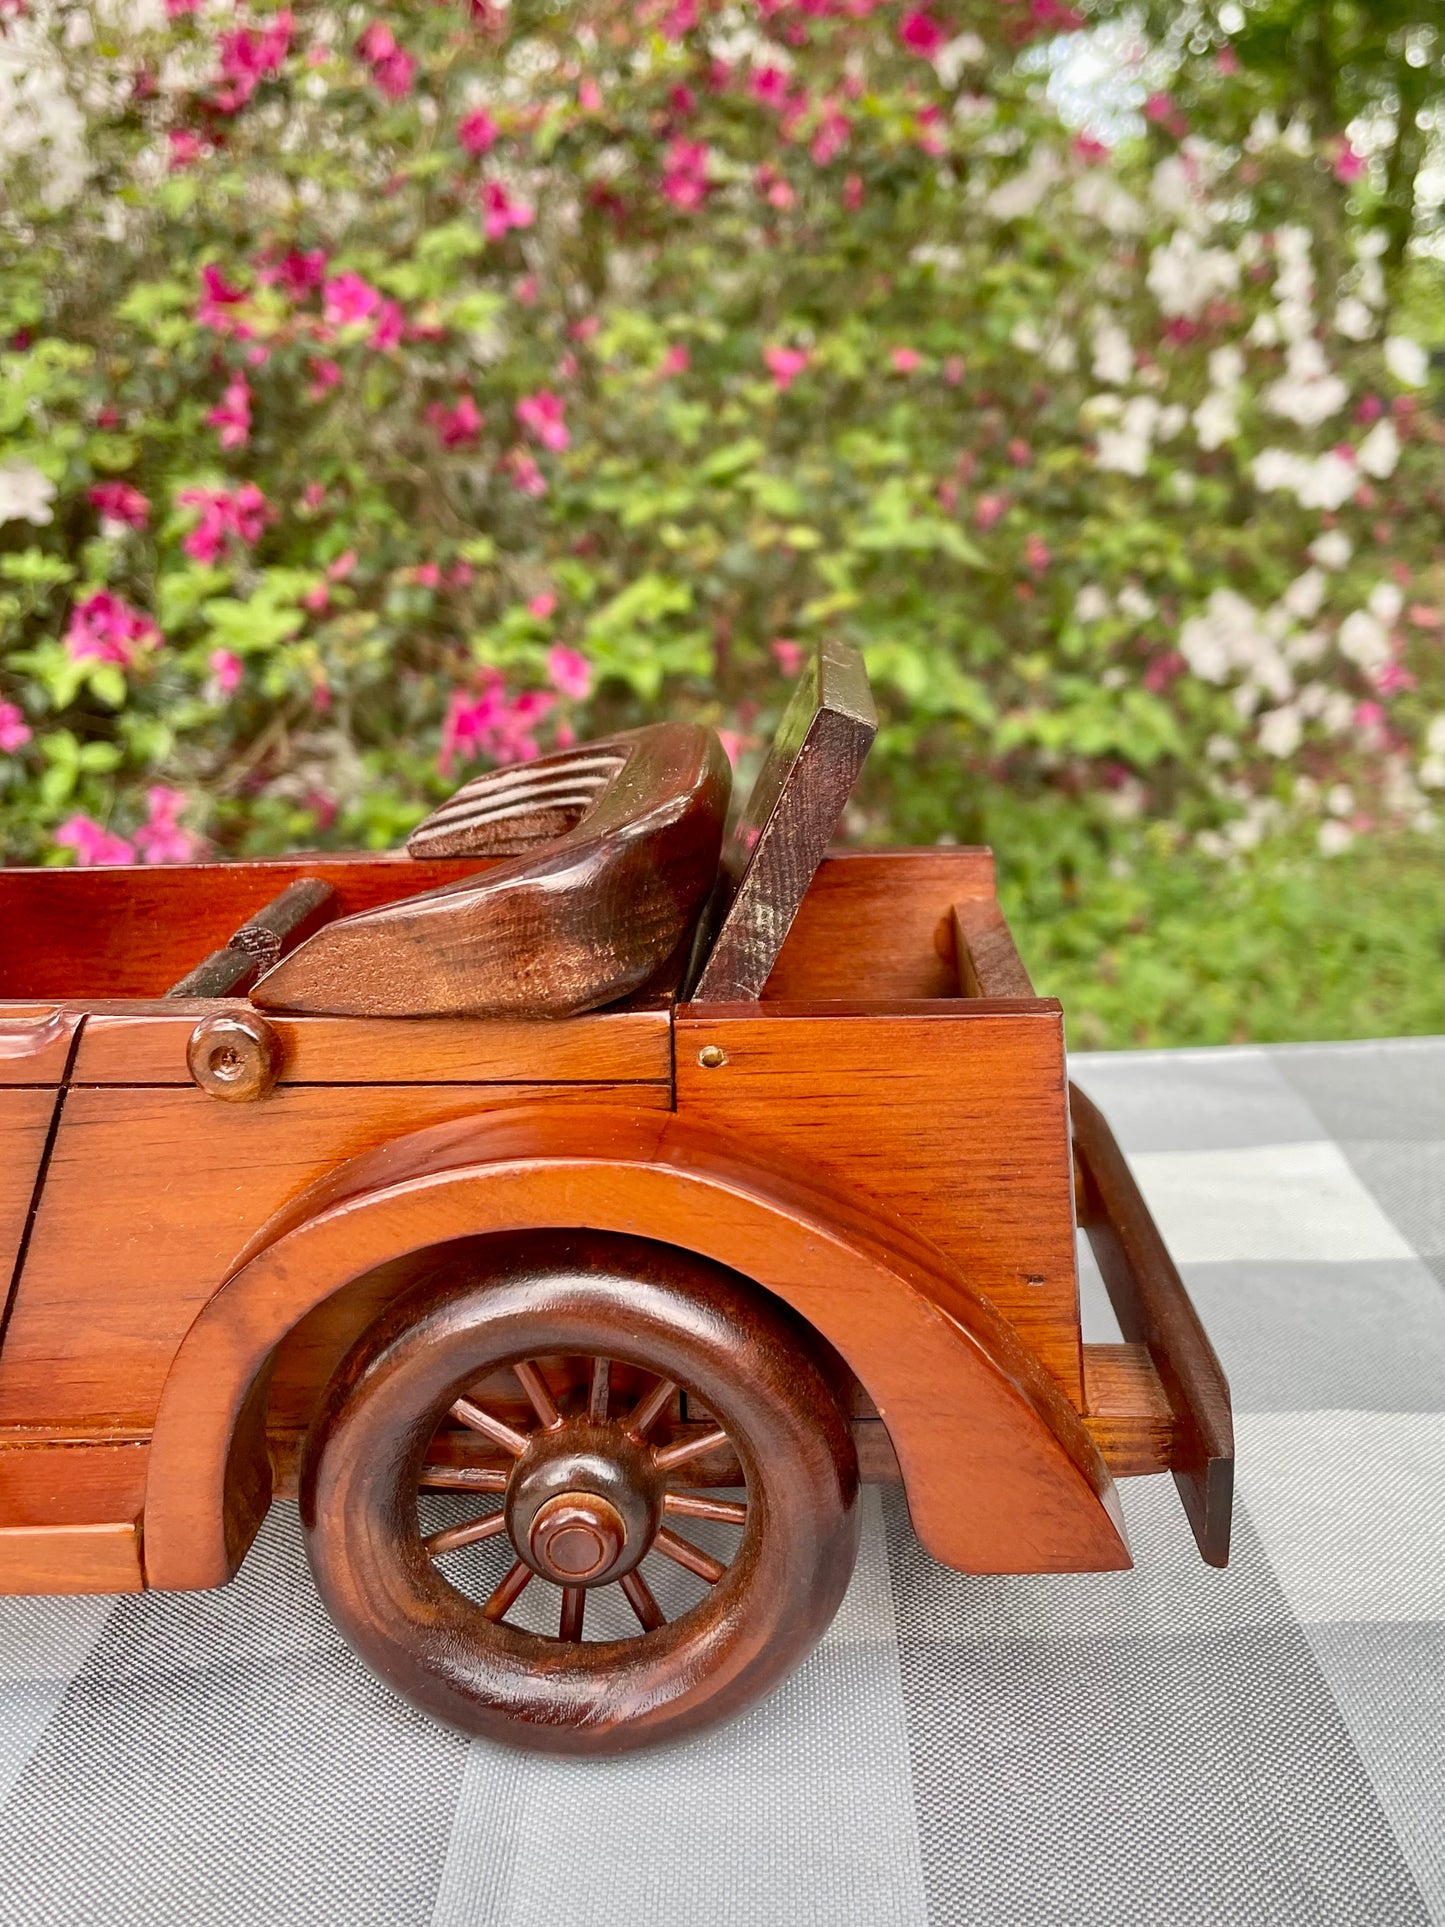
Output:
(384, 395)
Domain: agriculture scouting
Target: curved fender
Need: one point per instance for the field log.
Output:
(999, 1472)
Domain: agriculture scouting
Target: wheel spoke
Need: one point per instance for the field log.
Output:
(667, 1456)
(467, 1534)
(574, 1606)
(462, 1478)
(509, 1592)
(685, 1553)
(647, 1410)
(489, 1427)
(731, 1512)
(639, 1597)
(601, 1389)
(543, 1403)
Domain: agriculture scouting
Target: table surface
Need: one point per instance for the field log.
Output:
(1165, 1746)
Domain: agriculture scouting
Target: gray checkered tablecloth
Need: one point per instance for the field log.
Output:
(1170, 1745)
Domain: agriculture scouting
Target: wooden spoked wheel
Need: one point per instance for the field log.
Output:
(601, 1345)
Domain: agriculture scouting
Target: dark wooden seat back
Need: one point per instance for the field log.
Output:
(612, 851)
(786, 826)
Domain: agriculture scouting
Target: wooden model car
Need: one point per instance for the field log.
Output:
(570, 1213)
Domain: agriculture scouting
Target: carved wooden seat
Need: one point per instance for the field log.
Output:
(612, 851)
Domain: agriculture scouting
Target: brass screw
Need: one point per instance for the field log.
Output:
(712, 1057)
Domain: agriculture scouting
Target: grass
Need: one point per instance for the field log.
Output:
(1280, 947)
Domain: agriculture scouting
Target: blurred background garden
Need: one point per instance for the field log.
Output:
(389, 392)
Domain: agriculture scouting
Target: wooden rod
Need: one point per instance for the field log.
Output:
(276, 927)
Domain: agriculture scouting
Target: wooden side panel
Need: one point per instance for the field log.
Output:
(24, 1126)
(878, 925)
(952, 1119)
(988, 963)
(70, 1518)
(35, 1043)
(151, 1196)
(148, 1046)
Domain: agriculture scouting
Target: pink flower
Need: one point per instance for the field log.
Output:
(1227, 60)
(988, 509)
(160, 839)
(1019, 452)
(217, 298)
(773, 186)
(733, 742)
(526, 290)
(1391, 679)
(831, 136)
(324, 375)
(15, 732)
(502, 212)
(93, 845)
(456, 427)
(676, 361)
(185, 148)
(921, 34)
(770, 86)
(1037, 554)
(119, 502)
(1050, 15)
(543, 606)
(684, 180)
(589, 96)
(569, 673)
(392, 69)
(788, 655)
(175, 8)
(953, 370)
(248, 55)
(1089, 150)
(1349, 165)
(542, 415)
(527, 478)
(105, 628)
(478, 132)
(1163, 670)
(1161, 109)
(491, 723)
(388, 330)
(348, 300)
(785, 365)
(853, 193)
(376, 42)
(312, 496)
(905, 360)
(227, 668)
(1368, 716)
(241, 515)
(298, 274)
(232, 418)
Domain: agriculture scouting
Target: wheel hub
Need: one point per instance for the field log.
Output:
(583, 1504)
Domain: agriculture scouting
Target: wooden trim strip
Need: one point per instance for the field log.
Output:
(71, 1559)
(1154, 1309)
(41, 1171)
(988, 963)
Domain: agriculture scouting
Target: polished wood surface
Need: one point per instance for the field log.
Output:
(585, 1496)
(290, 917)
(35, 1043)
(879, 924)
(515, 809)
(948, 1376)
(70, 1518)
(1126, 1411)
(785, 827)
(988, 963)
(26, 1117)
(180, 1184)
(947, 1117)
(571, 925)
(1154, 1309)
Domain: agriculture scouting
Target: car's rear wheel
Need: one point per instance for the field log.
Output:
(581, 1387)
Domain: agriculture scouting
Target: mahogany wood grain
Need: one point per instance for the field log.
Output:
(146, 1044)
(35, 1042)
(1126, 1411)
(785, 826)
(878, 924)
(69, 1518)
(123, 932)
(1154, 1309)
(26, 1117)
(567, 927)
(948, 1117)
(180, 1183)
(988, 963)
(288, 919)
(950, 1379)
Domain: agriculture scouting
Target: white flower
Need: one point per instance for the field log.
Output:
(1307, 392)
(1432, 768)
(1353, 319)
(965, 50)
(1332, 550)
(1340, 800)
(1226, 635)
(1215, 419)
(1062, 354)
(1184, 277)
(1226, 366)
(1378, 453)
(1263, 132)
(1338, 713)
(1321, 482)
(1280, 731)
(1126, 448)
(1305, 594)
(1335, 837)
(1172, 189)
(1370, 245)
(1386, 600)
(1026, 337)
(1091, 604)
(1406, 361)
(1296, 137)
(1135, 604)
(1113, 357)
(1363, 640)
(1263, 330)
(25, 494)
(1295, 320)
(1021, 195)
(1100, 198)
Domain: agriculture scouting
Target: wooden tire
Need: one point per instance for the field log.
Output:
(586, 1493)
